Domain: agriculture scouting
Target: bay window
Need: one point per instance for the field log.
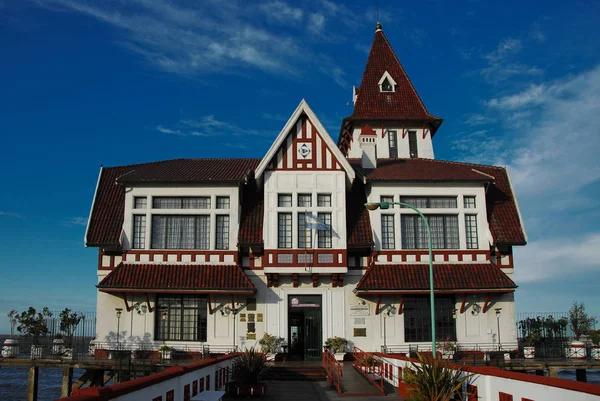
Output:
(444, 232)
(324, 236)
(222, 240)
(388, 240)
(284, 230)
(180, 232)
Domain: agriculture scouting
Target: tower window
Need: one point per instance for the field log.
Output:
(412, 144)
(393, 142)
(387, 86)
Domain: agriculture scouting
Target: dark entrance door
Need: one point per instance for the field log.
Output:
(305, 327)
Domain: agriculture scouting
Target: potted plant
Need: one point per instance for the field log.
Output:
(68, 324)
(580, 323)
(447, 348)
(270, 345)
(32, 324)
(530, 342)
(337, 346)
(58, 345)
(433, 379)
(10, 348)
(165, 352)
(249, 369)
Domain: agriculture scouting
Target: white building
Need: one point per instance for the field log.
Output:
(217, 252)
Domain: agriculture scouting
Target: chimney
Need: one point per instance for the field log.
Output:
(368, 144)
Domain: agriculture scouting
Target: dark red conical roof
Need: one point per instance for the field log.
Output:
(403, 104)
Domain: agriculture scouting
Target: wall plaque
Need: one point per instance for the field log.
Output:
(360, 332)
(259, 317)
(242, 317)
(359, 320)
(250, 317)
(251, 336)
(359, 310)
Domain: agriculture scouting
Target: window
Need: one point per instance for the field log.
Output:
(387, 86)
(471, 231)
(284, 200)
(222, 240)
(393, 144)
(304, 200)
(430, 202)
(324, 200)
(304, 232)
(139, 231)
(387, 232)
(417, 319)
(469, 202)
(163, 202)
(222, 202)
(180, 232)
(412, 144)
(324, 236)
(140, 202)
(284, 230)
(181, 318)
(388, 199)
(444, 232)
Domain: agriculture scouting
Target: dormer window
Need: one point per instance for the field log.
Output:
(386, 83)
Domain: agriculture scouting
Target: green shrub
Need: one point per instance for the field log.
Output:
(270, 344)
(250, 367)
(336, 344)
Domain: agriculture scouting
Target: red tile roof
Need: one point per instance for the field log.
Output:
(191, 170)
(407, 278)
(503, 216)
(183, 277)
(403, 104)
(418, 170)
(106, 221)
(358, 223)
(251, 219)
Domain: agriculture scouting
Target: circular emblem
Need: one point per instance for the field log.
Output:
(304, 150)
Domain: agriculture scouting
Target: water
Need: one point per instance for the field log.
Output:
(13, 383)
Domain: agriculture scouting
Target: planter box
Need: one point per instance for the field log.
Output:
(529, 352)
(339, 356)
(10, 349)
(247, 390)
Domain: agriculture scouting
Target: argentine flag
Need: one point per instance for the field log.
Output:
(313, 222)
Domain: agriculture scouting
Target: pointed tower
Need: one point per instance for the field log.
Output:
(389, 103)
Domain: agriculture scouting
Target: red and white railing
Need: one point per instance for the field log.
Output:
(371, 367)
(333, 369)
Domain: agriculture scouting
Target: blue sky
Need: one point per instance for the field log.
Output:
(85, 83)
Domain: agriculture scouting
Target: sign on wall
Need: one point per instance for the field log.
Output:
(359, 310)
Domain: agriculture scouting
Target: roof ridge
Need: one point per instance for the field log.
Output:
(185, 158)
(434, 160)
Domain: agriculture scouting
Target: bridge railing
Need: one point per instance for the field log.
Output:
(371, 367)
(177, 383)
(498, 383)
(333, 369)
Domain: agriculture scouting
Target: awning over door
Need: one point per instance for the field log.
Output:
(178, 278)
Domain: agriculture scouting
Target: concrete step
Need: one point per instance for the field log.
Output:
(297, 373)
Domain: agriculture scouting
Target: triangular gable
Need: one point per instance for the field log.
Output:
(304, 143)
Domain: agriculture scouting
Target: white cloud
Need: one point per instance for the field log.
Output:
(76, 221)
(11, 214)
(282, 12)
(501, 63)
(477, 119)
(316, 22)
(550, 259)
(274, 117)
(532, 96)
(168, 131)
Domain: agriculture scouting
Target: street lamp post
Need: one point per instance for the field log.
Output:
(119, 310)
(386, 205)
(498, 320)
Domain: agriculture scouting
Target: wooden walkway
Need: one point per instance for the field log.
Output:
(309, 391)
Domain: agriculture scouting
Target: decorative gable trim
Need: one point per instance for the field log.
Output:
(304, 108)
(386, 75)
(87, 227)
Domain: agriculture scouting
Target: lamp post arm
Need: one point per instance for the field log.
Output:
(430, 248)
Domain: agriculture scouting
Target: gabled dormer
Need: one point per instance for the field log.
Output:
(387, 83)
(390, 104)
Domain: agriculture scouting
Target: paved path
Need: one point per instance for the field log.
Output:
(309, 391)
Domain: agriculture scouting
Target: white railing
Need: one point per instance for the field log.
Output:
(491, 383)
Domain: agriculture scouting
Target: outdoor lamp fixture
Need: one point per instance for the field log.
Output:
(141, 309)
(498, 311)
(454, 313)
(476, 309)
(386, 205)
(164, 322)
(118, 310)
(226, 311)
